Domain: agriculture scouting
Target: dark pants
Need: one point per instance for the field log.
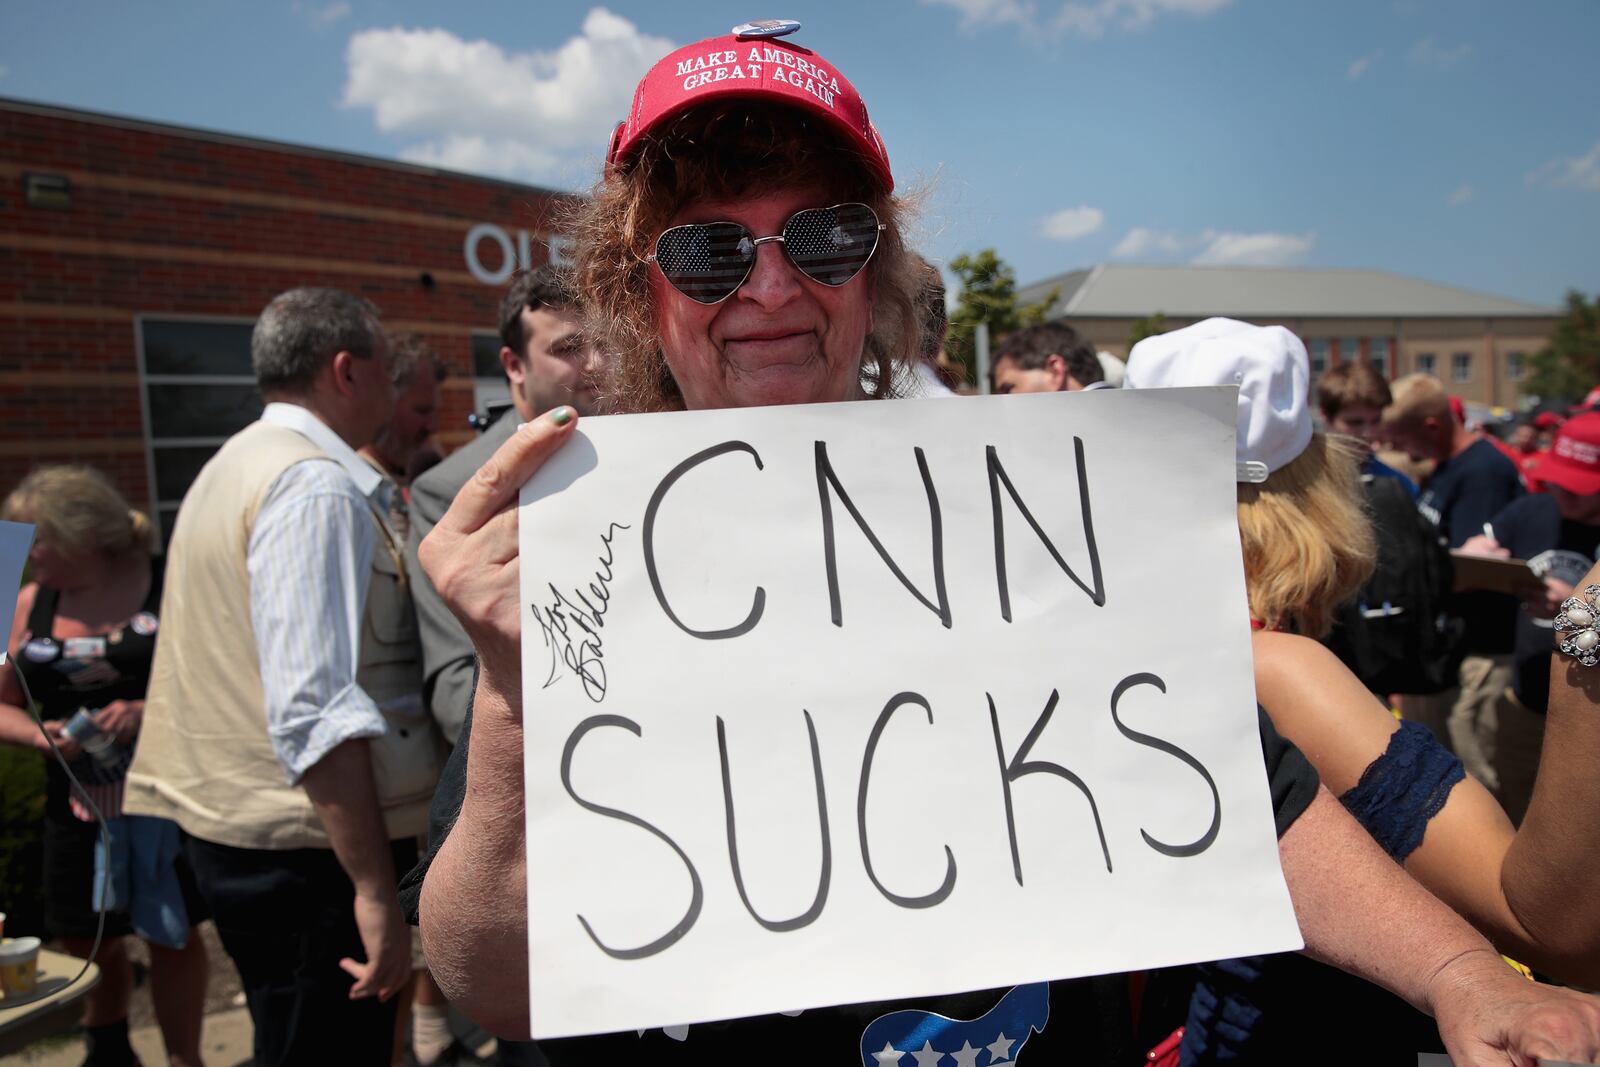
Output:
(285, 917)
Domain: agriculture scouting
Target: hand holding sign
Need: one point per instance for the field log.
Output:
(472, 558)
(1487, 1020)
(471, 555)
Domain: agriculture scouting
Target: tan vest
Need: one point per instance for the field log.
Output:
(204, 758)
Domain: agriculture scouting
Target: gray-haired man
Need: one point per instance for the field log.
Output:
(263, 735)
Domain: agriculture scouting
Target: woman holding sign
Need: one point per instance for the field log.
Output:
(1307, 548)
(744, 249)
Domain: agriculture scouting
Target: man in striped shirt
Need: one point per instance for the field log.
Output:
(269, 732)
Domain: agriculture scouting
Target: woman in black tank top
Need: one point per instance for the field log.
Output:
(84, 638)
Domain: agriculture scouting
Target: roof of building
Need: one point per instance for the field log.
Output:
(219, 137)
(1128, 291)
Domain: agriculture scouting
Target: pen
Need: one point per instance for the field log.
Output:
(1488, 531)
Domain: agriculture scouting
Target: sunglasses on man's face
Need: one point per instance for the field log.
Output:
(708, 261)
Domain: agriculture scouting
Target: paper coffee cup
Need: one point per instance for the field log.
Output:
(19, 965)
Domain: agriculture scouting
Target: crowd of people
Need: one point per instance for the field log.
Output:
(315, 695)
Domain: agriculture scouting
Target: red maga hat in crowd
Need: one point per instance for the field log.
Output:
(1573, 462)
(1547, 420)
(754, 62)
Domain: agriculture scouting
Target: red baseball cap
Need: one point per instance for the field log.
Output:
(753, 62)
(1547, 420)
(1573, 462)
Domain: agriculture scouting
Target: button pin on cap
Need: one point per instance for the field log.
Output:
(766, 28)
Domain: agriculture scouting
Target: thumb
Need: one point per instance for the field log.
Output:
(359, 971)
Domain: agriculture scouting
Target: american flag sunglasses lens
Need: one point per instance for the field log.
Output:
(707, 261)
(831, 244)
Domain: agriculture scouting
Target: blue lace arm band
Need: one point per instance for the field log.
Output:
(1403, 789)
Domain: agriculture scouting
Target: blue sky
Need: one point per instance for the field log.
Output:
(1454, 140)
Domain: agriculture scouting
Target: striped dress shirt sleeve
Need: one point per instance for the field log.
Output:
(310, 560)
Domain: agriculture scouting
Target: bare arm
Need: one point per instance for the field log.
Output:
(16, 724)
(1363, 914)
(345, 797)
(1549, 871)
(1318, 704)
(473, 915)
(473, 909)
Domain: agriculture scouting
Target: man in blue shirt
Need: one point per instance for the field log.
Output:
(1471, 481)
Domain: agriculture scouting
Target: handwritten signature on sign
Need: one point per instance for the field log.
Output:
(572, 625)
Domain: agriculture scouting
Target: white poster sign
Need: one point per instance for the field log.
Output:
(850, 702)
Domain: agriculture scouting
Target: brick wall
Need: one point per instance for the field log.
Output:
(176, 222)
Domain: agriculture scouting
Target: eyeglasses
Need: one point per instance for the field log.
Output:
(708, 261)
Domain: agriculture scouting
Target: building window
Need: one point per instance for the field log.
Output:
(1426, 362)
(1318, 350)
(1378, 355)
(1461, 367)
(1515, 368)
(1349, 350)
(198, 390)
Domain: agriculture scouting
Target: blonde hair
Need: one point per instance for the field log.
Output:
(78, 511)
(1307, 539)
(726, 152)
(1416, 397)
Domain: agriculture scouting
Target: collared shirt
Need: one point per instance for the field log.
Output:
(1373, 467)
(310, 561)
(399, 512)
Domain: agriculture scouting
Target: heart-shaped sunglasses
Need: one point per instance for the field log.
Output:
(708, 261)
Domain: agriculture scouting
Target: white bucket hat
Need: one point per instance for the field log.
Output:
(1267, 363)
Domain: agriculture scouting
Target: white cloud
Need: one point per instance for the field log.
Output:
(1576, 172)
(1071, 223)
(1255, 249)
(989, 12)
(484, 155)
(473, 105)
(1142, 241)
(1086, 18)
(1091, 18)
(1216, 247)
(326, 15)
(1460, 195)
(1430, 53)
(1358, 67)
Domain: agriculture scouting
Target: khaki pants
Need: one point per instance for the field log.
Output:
(1463, 719)
(1518, 737)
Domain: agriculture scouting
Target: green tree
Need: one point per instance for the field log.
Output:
(1569, 366)
(988, 294)
(1149, 326)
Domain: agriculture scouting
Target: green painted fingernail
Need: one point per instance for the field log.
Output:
(561, 416)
